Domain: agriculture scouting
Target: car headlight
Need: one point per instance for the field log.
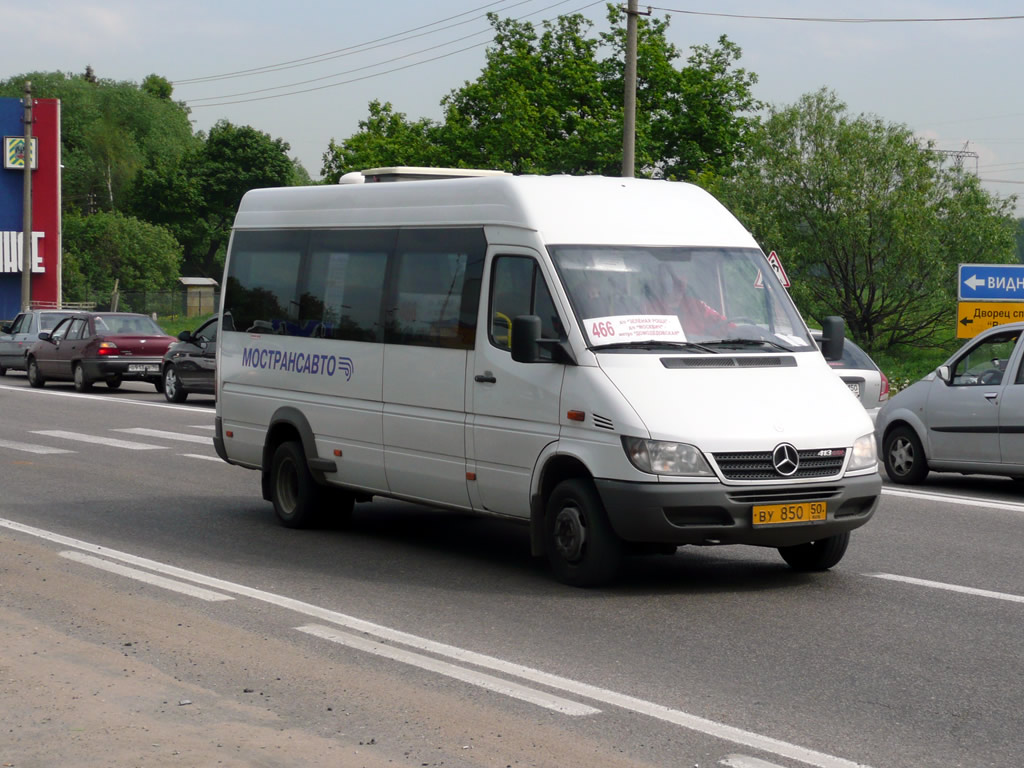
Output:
(865, 456)
(661, 457)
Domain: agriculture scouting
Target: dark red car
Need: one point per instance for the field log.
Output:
(89, 347)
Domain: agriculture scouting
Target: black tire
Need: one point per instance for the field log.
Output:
(581, 546)
(3, 370)
(114, 382)
(82, 383)
(904, 458)
(35, 379)
(174, 390)
(158, 383)
(817, 555)
(297, 499)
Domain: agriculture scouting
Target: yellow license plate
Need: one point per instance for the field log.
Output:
(779, 514)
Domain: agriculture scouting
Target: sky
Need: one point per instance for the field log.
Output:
(305, 70)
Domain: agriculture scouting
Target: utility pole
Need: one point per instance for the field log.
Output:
(629, 98)
(26, 224)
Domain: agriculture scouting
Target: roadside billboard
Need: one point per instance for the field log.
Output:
(46, 233)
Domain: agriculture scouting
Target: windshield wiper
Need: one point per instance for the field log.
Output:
(654, 344)
(748, 343)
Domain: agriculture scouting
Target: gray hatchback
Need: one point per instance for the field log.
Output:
(967, 416)
(21, 333)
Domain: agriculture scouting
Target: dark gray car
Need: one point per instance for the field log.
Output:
(190, 364)
(22, 332)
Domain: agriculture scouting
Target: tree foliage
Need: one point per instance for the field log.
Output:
(550, 101)
(196, 198)
(108, 246)
(869, 223)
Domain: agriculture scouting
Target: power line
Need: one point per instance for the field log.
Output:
(317, 58)
(823, 19)
(369, 76)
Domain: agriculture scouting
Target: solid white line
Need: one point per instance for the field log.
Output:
(491, 683)
(148, 578)
(200, 456)
(949, 587)
(144, 432)
(32, 447)
(744, 761)
(631, 703)
(117, 401)
(948, 498)
(96, 440)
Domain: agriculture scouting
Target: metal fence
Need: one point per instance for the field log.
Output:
(164, 304)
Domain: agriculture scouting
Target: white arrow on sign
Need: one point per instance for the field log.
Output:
(974, 282)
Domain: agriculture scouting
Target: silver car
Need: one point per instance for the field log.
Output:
(22, 332)
(966, 416)
(861, 375)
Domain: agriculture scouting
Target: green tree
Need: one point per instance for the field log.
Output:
(547, 102)
(197, 197)
(109, 132)
(105, 246)
(869, 223)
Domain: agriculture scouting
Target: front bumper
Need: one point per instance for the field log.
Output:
(705, 513)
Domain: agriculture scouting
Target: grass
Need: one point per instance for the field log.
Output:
(175, 324)
(905, 367)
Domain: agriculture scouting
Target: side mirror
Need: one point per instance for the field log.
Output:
(833, 331)
(6, 327)
(525, 338)
(943, 373)
(44, 336)
(185, 336)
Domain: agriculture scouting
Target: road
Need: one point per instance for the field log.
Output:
(154, 613)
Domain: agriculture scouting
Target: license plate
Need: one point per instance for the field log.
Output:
(855, 388)
(779, 514)
(143, 368)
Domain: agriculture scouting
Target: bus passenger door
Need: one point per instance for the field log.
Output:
(515, 406)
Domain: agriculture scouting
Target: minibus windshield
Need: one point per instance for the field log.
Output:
(632, 297)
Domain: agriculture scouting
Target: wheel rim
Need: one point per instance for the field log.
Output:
(901, 456)
(570, 533)
(33, 372)
(170, 382)
(79, 377)
(287, 487)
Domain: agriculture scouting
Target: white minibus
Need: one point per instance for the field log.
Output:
(611, 361)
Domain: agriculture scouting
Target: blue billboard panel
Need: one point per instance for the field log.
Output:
(991, 282)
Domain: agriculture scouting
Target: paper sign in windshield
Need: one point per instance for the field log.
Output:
(625, 328)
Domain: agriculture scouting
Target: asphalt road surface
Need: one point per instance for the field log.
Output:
(154, 613)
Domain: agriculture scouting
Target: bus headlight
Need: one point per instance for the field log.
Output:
(661, 457)
(864, 455)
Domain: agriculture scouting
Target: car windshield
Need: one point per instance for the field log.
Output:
(630, 296)
(131, 325)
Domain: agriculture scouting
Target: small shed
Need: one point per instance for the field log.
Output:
(200, 295)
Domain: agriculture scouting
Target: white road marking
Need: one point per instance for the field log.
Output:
(949, 587)
(103, 398)
(948, 498)
(96, 440)
(744, 761)
(677, 717)
(491, 683)
(148, 578)
(32, 447)
(200, 456)
(203, 426)
(144, 432)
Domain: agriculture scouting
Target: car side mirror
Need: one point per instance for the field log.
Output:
(943, 373)
(832, 337)
(525, 338)
(185, 336)
(6, 328)
(44, 336)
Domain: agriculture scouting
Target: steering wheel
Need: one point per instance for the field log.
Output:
(991, 376)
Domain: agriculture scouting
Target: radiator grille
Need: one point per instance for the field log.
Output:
(757, 465)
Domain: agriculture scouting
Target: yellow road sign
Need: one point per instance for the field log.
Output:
(973, 317)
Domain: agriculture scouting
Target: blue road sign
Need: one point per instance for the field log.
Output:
(991, 282)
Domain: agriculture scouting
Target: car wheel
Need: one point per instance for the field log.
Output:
(904, 457)
(174, 390)
(294, 492)
(114, 382)
(82, 384)
(3, 371)
(817, 555)
(581, 546)
(35, 379)
(158, 383)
